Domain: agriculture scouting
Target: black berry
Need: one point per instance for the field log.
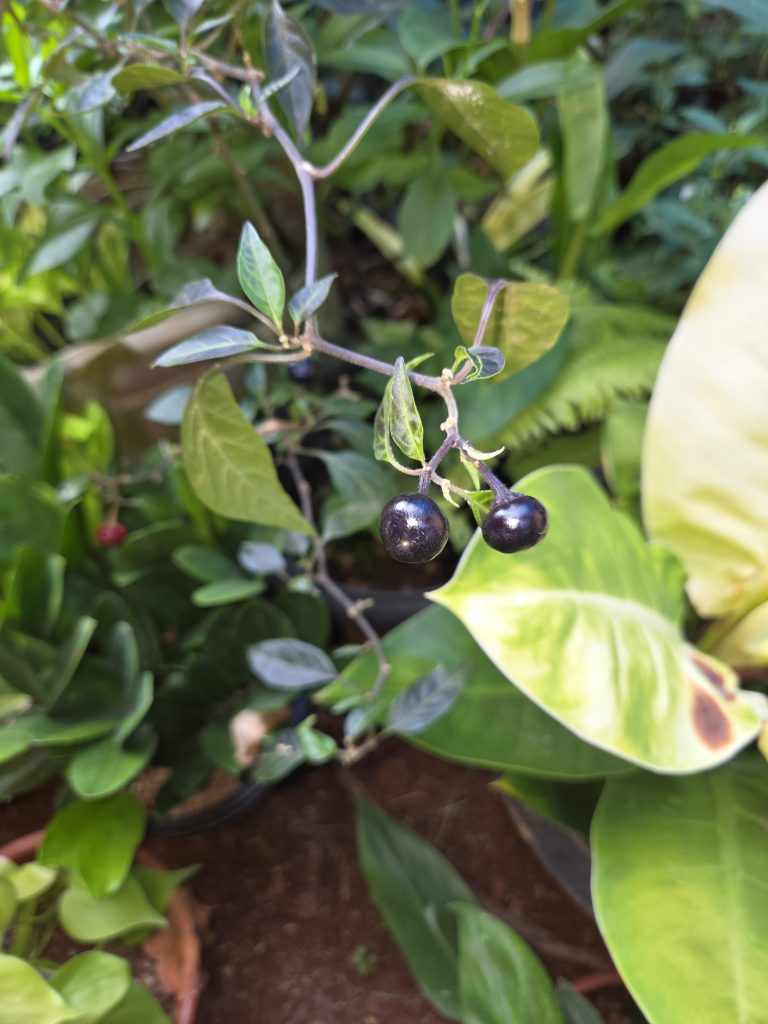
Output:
(514, 523)
(413, 528)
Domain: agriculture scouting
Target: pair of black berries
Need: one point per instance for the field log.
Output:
(413, 528)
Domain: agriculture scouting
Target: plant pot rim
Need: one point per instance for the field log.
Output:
(180, 909)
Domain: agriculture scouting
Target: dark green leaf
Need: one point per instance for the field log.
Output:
(229, 466)
(306, 302)
(21, 424)
(214, 343)
(103, 768)
(287, 45)
(146, 76)
(423, 702)
(287, 664)
(260, 277)
(178, 120)
(500, 977)
(32, 514)
(487, 361)
(576, 1008)
(426, 33)
(138, 1005)
(414, 887)
(583, 117)
(425, 219)
(226, 592)
(281, 753)
(318, 747)
(206, 565)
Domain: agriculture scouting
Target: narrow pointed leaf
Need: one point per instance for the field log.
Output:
(405, 424)
(178, 120)
(215, 343)
(287, 46)
(306, 302)
(260, 277)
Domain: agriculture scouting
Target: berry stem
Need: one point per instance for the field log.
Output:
(499, 489)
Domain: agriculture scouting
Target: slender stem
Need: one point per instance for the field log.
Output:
(332, 166)
(427, 473)
(485, 315)
(498, 488)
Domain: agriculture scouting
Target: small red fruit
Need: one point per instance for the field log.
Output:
(111, 535)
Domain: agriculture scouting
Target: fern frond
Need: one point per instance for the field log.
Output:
(614, 351)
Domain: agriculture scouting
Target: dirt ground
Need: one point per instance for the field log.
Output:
(293, 937)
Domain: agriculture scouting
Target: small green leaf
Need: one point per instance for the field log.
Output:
(577, 1009)
(32, 880)
(93, 983)
(584, 125)
(405, 424)
(106, 767)
(97, 839)
(146, 76)
(486, 360)
(318, 747)
(227, 592)
(260, 277)
(414, 887)
(159, 885)
(287, 46)
(206, 565)
(423, 702)
(25, 998)
(88, 919)
(425, 219)
(526, 320)
(229, 466)
(178, 120)
(214, 343)
(500, 977)
(306, 302)
(504, 135)
(288, 664)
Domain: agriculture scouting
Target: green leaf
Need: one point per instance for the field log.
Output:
(405, 424)
(621, 444)
(683, 859)
(426, 33)
(501, 980)
(423, 702)
(34, 597)
(26, 998)
(183, 11)
(491, 724)
(97, 839)
(214, 343)
(526, 320)
(260, 277)
(31, 880)
(562, 41)
(159, 886)
(21, 424)
(32, 515)
(60, 246)
(287, 46)
(414, 886)
(610, 351)
(106, 767)
(229, 466)
(584, 125)
(608, 610)
(93, 983)
(486, 360)
(137, 1005)
(576, 1008)
(281, 753)
(666, 166)
(318, 747)
(68, 659)
(227, 592)
(89, 919)
(306, 302)
(704, 495)
(178, 120)
(504, 135)
(288, 664)
(146, 76)
(8, 904)
(206, 565)
(425, 218)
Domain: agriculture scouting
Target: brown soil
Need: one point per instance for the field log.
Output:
(291, 917)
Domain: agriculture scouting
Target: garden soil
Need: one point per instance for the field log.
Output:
(292, 936)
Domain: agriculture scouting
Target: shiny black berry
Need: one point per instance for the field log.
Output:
(514, 523)
(413, 528)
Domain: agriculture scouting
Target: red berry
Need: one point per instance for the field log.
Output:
(111, 535)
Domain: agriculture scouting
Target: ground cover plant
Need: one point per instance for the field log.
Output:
(510, 206)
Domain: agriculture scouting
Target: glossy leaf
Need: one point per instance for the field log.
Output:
(490, 724)
(226, 592)
(26, 998)
(318, 747)
(525, 322)
(425, 218)
(664, 167)
(288, 664)
(31, 880)
(414, 888)
(178, 120)
(96, 839)
(405, 424)
(230, 468)
(106, 767)
(504, 135)
(426, 33)
(486, 360)
(423, 702)
(501, 980)
(704, 495)
(93, 983)
(260, 277)
(146, 76)
(32, 515)
(306, 302)
(88, 919)
(137, 1005)
(609, 609)
(214, 343)
(684, 859)
(584, 125)
(286, 46)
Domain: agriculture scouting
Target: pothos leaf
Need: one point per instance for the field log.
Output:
(405, 424)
